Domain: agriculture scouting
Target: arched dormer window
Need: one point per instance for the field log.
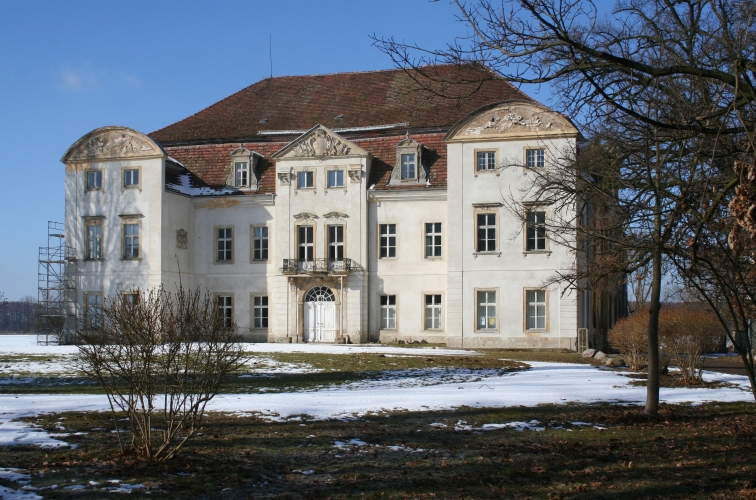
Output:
(243, 169)
(409, 166)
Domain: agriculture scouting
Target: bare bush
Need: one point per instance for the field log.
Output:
(629, 336)
(687, 335)
(160, 358)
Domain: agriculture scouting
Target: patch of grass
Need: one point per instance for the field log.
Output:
(673, 380)
(686, 452)
(548, 356)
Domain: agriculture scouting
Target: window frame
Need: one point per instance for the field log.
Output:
(440, 234)
(253, 310)
(526, 305)
(131, 221)
(89, 222)
(216, 239)
(527, 149)
(494, 170)
(86, 304)
(395, 235)
(227, 321)
(310, 224)
(328, 178)
(476, 326)
(138, 185)
(328, 242)
(253, 239)
(134, 294)
(426, 309)
(486, 211)
(87, 186)
(246, 171)
(305, 172)
(388, 307)
(535, 209)
(412, 177)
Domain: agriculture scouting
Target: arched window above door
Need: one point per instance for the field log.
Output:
(319, 294)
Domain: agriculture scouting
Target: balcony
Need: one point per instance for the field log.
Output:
(320, 266)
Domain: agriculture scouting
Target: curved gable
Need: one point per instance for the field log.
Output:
(511, 120)
(111, 143)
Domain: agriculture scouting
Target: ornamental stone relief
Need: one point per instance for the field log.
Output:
(319, 145)
(114, 144)
(181, 239)
(355, 175)
(516, 119)
(305, 217)
(335, 217)
(284, 177)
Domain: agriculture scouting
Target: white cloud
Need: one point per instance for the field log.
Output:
(86, 77)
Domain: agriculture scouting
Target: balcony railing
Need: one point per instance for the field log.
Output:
(318, 266)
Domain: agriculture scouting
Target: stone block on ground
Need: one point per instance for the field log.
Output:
(614, 362)
(588, 353)
(600, 356)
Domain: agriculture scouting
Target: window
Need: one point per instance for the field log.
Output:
(486, 160)
(92, 310)
(94, 179)
(486, 301)
(94, 240)
(433, 312)
(335, 242)
(259, 243)
(486, 232)
(130, 298)
(304, 180)
(335, 178)
(433, 239)
(304, 242)
(130, 177)
(225, 309)
(224, 244)
(535, 158)
(408, 167)
(131, 240)
(387, 241)
(535, 309)
(241, 174)
(535, 231)
(388, 312)
(260, 312)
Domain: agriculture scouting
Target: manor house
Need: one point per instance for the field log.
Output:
(350, 207)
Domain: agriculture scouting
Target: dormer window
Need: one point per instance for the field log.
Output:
(409, 166)
(241, 174)
(243, 163)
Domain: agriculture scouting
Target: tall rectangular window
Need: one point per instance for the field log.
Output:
(388, 312)
(535, 158)
(486, 160)
(387, 241)
(224, 244)
(94, 179)
(433, 239)
(226, 309)
(536, 309)
(408, 166)
(260, 312)
(92, 310)
(241, 174)
(131, 241)
(304, 180)
(535, 231)
(335, 178)
(305, 242)
(335, 242)
(486, 301)
(94, 240)
(433, 312)
(259, 243)
(130, 177)
(486, 232)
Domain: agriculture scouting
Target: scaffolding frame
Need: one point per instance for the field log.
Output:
(57, 290)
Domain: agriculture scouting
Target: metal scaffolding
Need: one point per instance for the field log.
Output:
(57, 287)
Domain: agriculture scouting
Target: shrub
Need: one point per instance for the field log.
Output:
(687, 335)
(160, 358)
(629, 336)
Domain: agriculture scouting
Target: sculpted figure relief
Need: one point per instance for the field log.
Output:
(319, 145)
(113, 145)
(516, 119)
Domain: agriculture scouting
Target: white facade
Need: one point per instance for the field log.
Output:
(346, 261)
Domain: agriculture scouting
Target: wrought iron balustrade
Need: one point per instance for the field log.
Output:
(315, 266)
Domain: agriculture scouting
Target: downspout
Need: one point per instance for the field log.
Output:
(462, 260)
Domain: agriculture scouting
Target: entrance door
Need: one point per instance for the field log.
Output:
(320, 315)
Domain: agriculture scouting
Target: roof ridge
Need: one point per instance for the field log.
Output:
(362, 72)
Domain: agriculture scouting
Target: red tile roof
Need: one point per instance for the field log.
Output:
(364, 99)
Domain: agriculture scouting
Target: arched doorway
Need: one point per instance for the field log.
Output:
(320, 315)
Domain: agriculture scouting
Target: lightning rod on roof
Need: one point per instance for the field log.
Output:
(270, 53)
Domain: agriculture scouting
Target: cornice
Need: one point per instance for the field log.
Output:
(408, 195)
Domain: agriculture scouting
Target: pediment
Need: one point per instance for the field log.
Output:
(111, 143)
(319, 142)
(511, 120)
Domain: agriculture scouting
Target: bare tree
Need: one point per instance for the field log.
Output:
(160, 358)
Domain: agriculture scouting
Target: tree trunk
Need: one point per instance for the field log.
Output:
(652, 384)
